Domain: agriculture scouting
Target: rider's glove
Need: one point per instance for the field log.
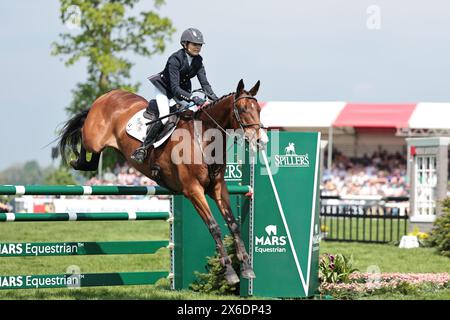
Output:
(197, 100)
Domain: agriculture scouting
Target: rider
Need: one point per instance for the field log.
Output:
(174, 83)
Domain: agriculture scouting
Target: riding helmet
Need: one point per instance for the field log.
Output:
(192, 35)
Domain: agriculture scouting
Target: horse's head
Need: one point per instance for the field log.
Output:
(246, 115)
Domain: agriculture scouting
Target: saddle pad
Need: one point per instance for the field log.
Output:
(136, 128)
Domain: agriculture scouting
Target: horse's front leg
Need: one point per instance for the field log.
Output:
(222, 198)
(196, 195)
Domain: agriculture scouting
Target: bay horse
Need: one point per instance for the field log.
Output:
(103, 125)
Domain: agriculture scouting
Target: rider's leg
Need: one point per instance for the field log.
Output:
(153, 129)
(163, 105)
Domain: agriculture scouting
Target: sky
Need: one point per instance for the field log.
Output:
(323, 50)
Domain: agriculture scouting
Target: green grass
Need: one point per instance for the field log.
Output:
(387, 257)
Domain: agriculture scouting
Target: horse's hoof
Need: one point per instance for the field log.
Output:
(231, 276)
(248, 274)
(74, 164)
(232, 279)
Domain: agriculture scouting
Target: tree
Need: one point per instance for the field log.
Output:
(59, 176)
(105, 31)
(28, 173)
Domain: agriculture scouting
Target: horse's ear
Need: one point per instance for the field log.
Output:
(240, 88)
(253, 91)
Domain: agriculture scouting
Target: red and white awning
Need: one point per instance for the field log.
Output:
(424, 115)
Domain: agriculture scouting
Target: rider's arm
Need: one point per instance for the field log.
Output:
(201, 75)
(174, 74)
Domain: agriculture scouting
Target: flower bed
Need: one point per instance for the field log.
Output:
(363, 284)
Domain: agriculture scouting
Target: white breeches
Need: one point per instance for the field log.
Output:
(164, 104)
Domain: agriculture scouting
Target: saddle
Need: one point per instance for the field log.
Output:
(137, 125)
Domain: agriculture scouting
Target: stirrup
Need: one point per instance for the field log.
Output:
(139, 155)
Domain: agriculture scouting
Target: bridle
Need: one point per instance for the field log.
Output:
(238, 119)
(238, 115)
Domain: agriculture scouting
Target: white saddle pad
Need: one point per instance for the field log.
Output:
(137, 129)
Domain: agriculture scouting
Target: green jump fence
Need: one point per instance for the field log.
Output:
(39, 190)
(81, 248)
(21, 249)
(83, 216)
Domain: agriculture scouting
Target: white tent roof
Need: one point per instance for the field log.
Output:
(300, 114)
(430, 115)
(320, 114)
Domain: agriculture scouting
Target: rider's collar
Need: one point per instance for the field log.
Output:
(189, 57)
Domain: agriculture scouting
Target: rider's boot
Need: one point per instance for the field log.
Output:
(140, 154)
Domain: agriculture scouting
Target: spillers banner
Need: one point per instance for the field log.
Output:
(279, 222)
(283, 226)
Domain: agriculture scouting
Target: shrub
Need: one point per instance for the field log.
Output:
(421, 236)
(335, 268)
(440, 235)
(213, 281)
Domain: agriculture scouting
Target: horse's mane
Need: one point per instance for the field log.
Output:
(212, 104)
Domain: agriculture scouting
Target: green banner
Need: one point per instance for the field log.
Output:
(20, 249)
(80, 280)
(280, 224)
(284, 231)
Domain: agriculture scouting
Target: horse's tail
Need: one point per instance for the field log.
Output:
(71, 134)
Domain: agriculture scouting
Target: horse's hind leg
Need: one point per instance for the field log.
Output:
(198, 199)
(222, 198)
(83, 164)
(96, 133)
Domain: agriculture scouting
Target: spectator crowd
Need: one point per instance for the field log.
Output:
(122, 175)
(381, 174)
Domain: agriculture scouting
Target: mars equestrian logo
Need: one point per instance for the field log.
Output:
(291, 158)
(271, 242)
